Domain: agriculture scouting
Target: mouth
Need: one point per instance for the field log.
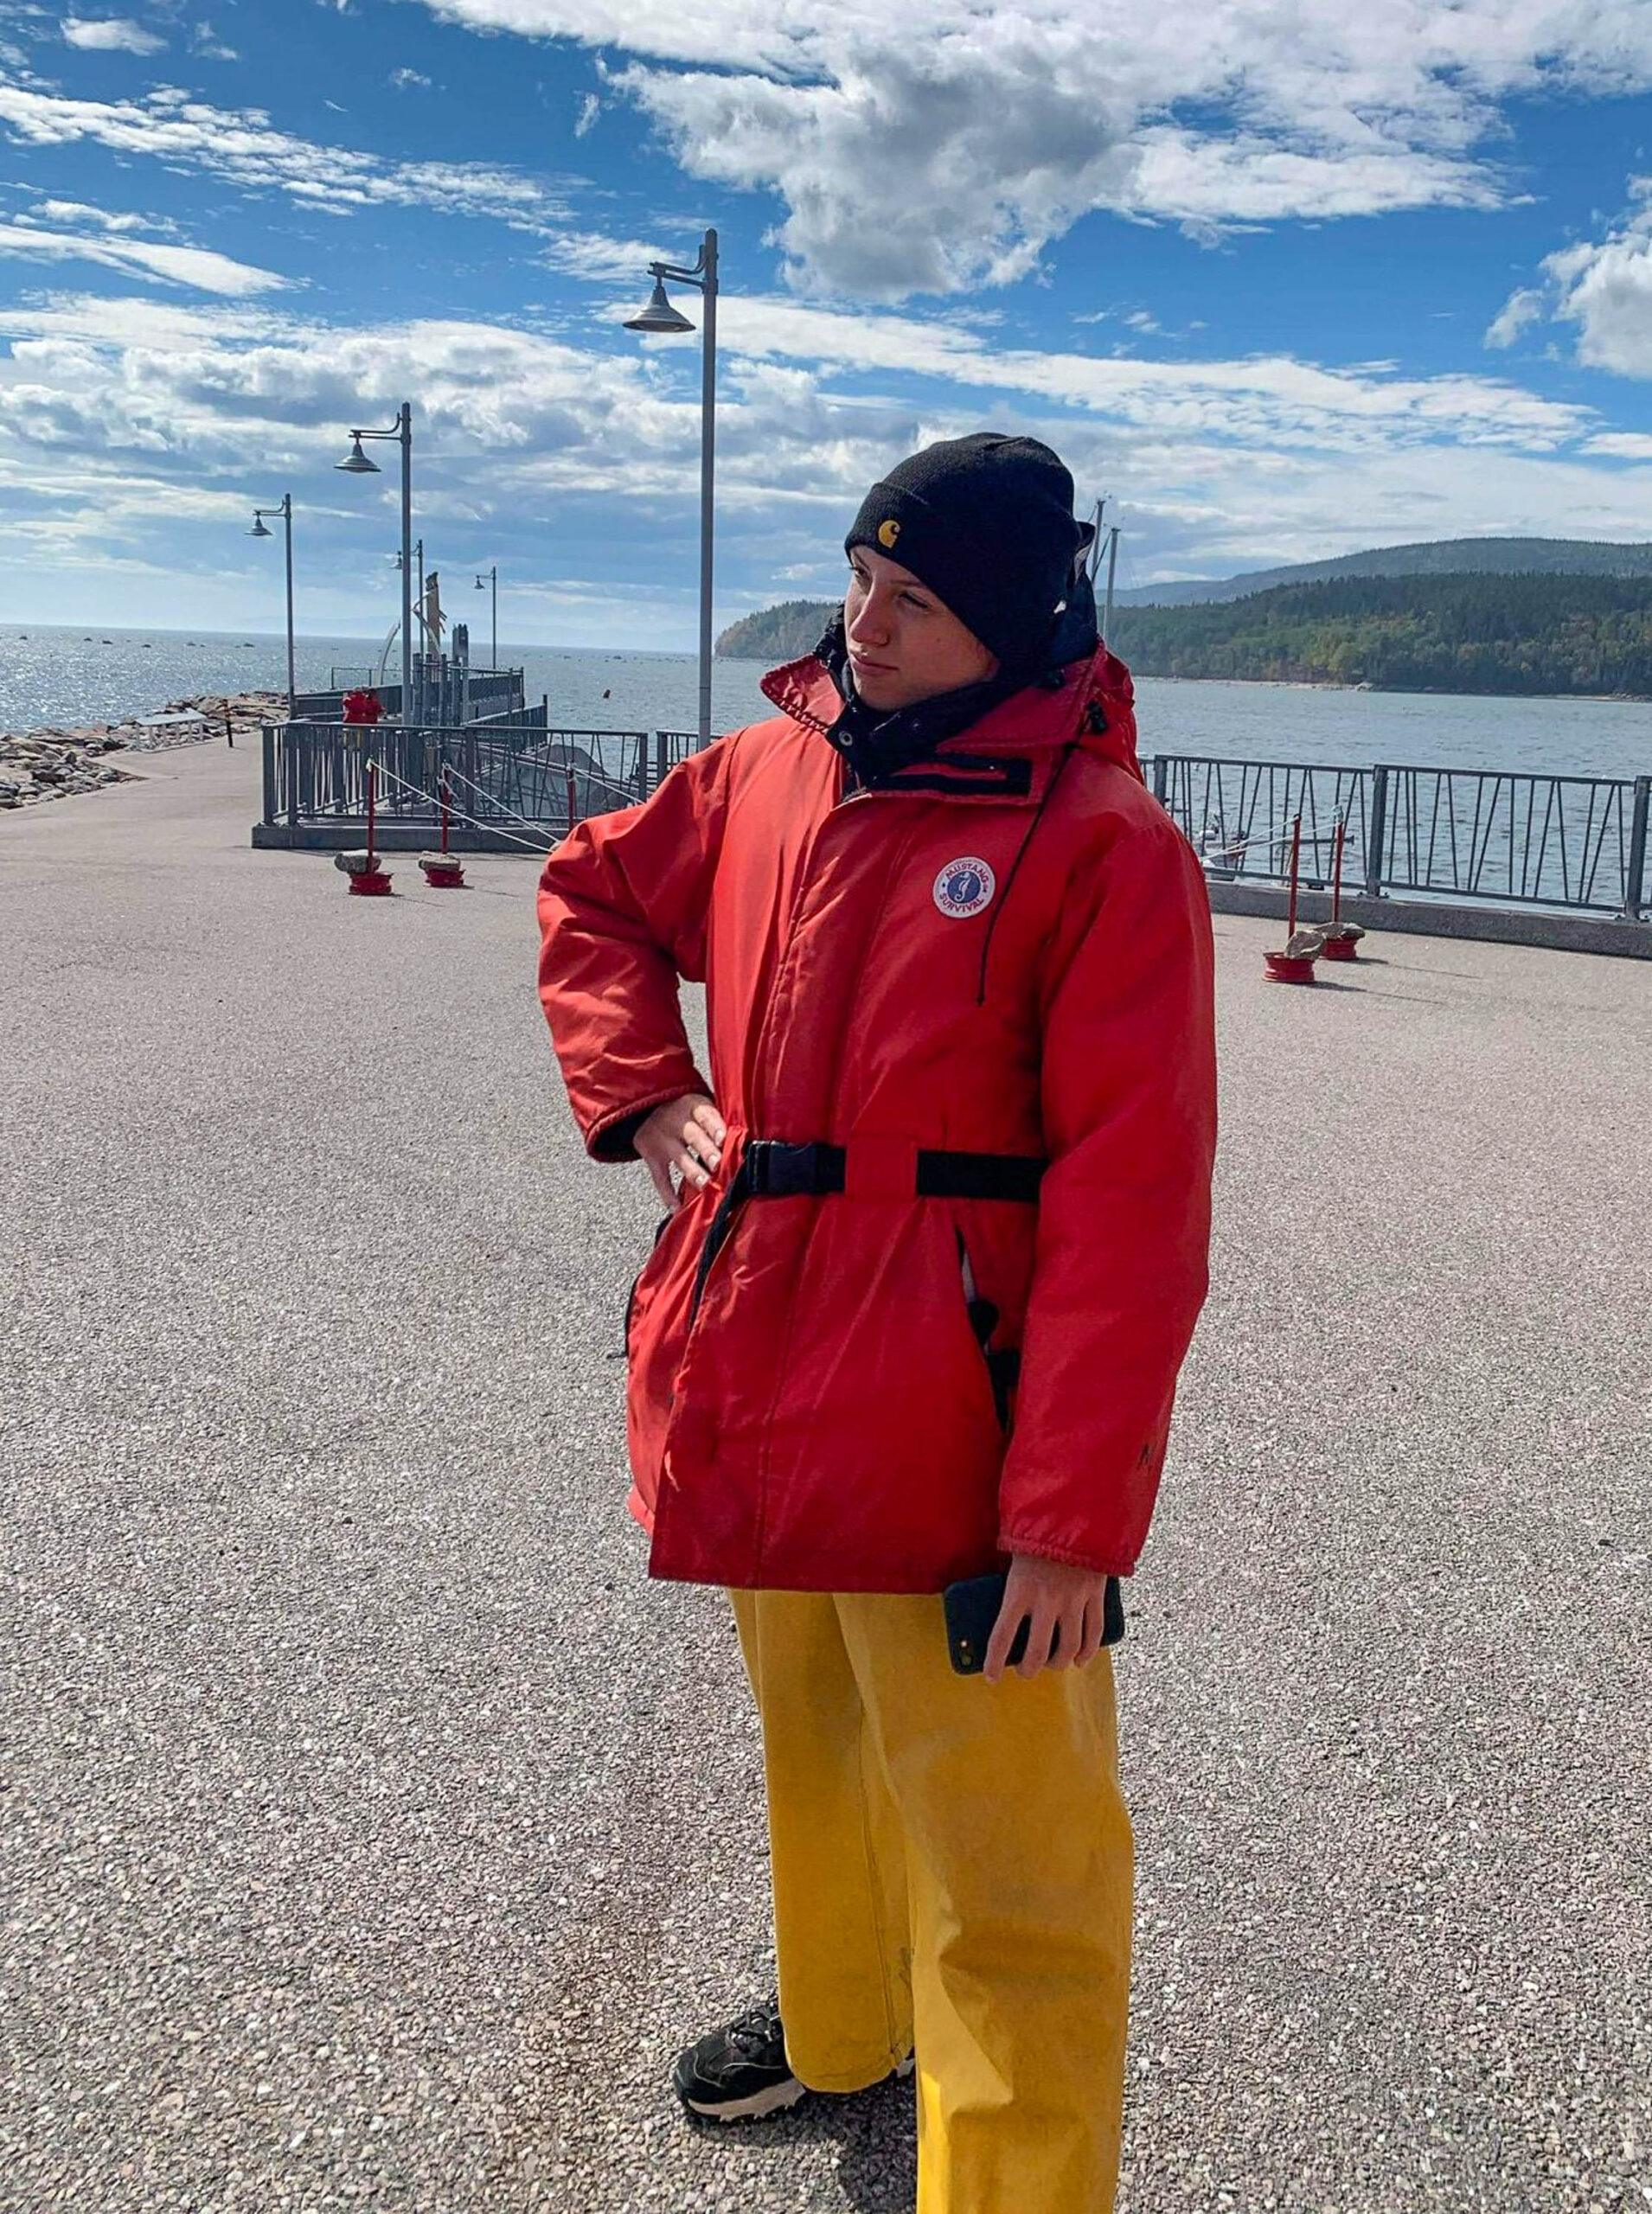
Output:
(866, 662)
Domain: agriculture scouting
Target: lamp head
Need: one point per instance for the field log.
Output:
(355, 461)
(257, 529)
(659, 318)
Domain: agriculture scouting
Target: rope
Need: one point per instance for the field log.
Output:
(529, 754)
(528, 820)
(475, 821)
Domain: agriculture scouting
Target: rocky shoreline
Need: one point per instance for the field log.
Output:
(52, 763)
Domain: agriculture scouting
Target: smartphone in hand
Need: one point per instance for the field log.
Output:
(973, 1609)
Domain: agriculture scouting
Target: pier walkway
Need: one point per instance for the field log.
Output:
(371, 1831)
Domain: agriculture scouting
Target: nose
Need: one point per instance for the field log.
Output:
(871, 624)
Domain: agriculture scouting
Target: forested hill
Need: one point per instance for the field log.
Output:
(778, 634)
(1480, 633)
(1504, 557)
(1484, 633)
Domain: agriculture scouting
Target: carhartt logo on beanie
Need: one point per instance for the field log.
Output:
(987, 523)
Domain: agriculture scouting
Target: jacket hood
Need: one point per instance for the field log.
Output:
(1094, 708)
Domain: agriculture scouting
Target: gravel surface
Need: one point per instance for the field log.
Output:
(371, 1831)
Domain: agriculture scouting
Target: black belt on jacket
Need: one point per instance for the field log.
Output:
(771, 1169)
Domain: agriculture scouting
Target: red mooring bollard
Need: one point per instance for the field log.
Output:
(1341, 939)
(1294, 962)
(368, 880)
(441, 870)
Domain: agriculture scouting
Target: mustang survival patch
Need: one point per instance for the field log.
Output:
(964, 887)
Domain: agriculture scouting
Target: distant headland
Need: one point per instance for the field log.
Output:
(1503, 615)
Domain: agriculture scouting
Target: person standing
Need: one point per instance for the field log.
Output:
(939, 1213)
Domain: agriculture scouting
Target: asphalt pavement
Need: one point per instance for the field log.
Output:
(372, 1832)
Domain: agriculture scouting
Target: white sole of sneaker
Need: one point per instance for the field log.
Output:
(775, 2100)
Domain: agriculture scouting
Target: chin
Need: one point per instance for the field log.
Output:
(881, 690)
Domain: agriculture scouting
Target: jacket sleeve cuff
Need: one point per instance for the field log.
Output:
(1098, 1564)
(613, 1137)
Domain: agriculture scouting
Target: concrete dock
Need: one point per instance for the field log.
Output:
(372, 1833)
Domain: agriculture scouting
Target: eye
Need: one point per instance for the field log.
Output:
(913, 600)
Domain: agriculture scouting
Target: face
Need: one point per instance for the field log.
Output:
(904, 645)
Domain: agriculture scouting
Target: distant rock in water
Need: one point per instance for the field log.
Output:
(778, 634)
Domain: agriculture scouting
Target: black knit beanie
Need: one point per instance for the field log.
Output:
(987, 523)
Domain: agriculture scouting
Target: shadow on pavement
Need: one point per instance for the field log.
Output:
(876, 2134)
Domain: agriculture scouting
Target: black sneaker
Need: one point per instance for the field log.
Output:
(737, 2073)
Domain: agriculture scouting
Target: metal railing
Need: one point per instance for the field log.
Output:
(445, 692)
(509, 770)
(1469, 834)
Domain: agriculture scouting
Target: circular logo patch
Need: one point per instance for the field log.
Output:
(964, 887)
(888, 532)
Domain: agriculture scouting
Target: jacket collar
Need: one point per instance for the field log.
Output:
(1015, 748)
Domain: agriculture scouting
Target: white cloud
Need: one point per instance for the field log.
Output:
(405, 79)
(590, 109)
(1516, 316)
(117, 412)
(76, 211)
(49, 234)
(1622, 445)
(1272, 401)
(111, 35)
(242, 146)
(1602, 289)
(1605, 290)
(945, 145)
(205, 42)
(599, 258)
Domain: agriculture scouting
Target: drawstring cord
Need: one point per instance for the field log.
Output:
(1068, 751)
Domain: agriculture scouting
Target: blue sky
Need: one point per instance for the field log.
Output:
(1282, 280)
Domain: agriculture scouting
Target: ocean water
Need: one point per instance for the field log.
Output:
(71, 674)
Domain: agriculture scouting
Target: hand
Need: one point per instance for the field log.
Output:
(1057, 1597)
(685, 1134)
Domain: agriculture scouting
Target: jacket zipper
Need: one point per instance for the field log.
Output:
(1002, 1362)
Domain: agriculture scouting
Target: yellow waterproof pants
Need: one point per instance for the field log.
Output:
(952, 1869)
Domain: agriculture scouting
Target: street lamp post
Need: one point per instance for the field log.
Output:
(419, 604)
(356, 464)
(258, 531)
(660, 318)
(481, 584)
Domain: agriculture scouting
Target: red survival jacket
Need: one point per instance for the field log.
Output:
(867, 1376)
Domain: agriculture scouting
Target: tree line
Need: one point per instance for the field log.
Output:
(1469, 632)
(1462, 633)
